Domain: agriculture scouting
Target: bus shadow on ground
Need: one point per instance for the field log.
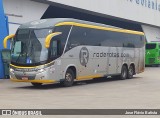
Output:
(77, 83)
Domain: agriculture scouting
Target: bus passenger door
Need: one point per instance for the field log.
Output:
(54, 54)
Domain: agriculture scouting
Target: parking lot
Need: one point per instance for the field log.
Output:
(141, 92)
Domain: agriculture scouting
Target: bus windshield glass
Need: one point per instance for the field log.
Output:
(150, 46)
(28, 46)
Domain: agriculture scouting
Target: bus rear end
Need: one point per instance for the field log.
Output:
(152, 54)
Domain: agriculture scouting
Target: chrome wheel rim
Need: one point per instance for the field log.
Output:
(68, 77)
(124, 73)
(130, 71)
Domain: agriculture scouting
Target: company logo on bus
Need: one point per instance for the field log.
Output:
(84, 56)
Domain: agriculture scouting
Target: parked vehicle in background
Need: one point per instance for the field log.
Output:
(152, 54)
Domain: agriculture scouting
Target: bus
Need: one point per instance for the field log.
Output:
(64, 50)
(152, 54)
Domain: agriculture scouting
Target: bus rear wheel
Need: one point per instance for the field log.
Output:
(69, 78)
(124, 72)
(37, 84)
(130, 72)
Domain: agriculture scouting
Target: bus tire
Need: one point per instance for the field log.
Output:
(130, 72)
(37, 84)
(124, 72)
(69, 78)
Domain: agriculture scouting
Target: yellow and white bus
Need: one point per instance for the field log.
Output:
(65, 50)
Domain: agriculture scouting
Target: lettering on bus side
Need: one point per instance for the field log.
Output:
(112, 54)
(84, 56)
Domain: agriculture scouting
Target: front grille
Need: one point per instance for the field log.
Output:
(151, 60)
(152, 55)
(19, 77)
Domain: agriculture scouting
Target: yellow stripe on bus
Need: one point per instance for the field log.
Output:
(30, 67)
(99, 27)
(89, 77)
(34, 81)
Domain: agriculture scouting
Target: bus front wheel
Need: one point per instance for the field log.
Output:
(69, 78)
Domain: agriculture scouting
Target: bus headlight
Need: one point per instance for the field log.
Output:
(158, 58)
(11, 70)
(41, 70)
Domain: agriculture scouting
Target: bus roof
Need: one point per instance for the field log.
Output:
(48, 23)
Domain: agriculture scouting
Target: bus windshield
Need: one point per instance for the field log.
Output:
(28, 46)
(150, 46)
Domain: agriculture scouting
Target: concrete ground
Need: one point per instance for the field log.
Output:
(141, 92)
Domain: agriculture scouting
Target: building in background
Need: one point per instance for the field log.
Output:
(140, 15)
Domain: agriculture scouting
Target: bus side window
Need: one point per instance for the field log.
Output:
(77, 37)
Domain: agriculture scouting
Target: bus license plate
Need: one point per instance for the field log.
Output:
(24, 78)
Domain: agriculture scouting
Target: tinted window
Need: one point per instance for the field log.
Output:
(77, 37)
(23, 34)
(42, 33)
(130, 40)
(97, 38)
(114, 39)
(94, 37)
(62, 37)
(150, 46)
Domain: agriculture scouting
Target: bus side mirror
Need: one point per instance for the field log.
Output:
(49, 37)
(6, 39)
(6, 55)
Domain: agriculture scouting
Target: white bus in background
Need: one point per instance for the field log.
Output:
(64, 50)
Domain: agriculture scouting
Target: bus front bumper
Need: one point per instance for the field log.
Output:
(32, 77)
(34, 81)
(152, 61)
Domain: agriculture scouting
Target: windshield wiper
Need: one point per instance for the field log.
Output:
(31, 51)
(19, 56)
